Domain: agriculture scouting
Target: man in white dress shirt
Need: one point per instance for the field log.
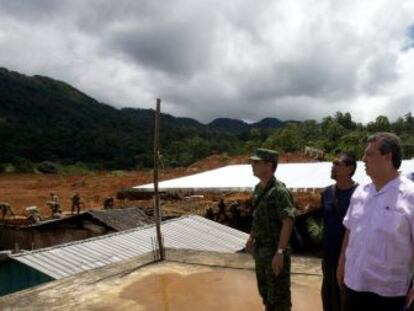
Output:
(378, 249)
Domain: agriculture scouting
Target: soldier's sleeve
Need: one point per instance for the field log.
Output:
(285, 203)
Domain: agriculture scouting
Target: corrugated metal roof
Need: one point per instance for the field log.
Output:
(240, 178)
(122, 219)
(117, 219)
(188, 232)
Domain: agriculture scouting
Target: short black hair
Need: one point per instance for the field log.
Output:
(274, 165)
(349, 160)
(389, 143)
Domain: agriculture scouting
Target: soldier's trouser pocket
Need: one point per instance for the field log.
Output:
(275, 291)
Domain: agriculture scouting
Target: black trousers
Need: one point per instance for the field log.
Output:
(364, 301)
(332, 295)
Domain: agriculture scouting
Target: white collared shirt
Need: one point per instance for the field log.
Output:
(380, 252)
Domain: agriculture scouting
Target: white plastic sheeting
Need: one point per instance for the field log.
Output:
(296, 176)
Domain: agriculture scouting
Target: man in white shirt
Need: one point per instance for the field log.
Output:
(378, 250)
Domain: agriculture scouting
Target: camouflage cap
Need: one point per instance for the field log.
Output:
(262, 154)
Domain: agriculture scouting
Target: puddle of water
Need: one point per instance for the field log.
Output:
(228, 290)
(225, 290)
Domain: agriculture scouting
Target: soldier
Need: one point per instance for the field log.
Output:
(76, 203)
(209, 214)
(235, 215)
(54, 205)
(4, 208)
(108, 203)
(221, 216)
(34, 216)
(271, 228)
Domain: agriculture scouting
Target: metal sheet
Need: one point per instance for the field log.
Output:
(188, 232)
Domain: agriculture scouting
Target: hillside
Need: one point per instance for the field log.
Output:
(23, 190)
(42, 119)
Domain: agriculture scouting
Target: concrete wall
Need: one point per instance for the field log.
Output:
(9, 236)
(52, 237)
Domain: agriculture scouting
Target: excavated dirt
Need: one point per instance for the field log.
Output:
(23, 190)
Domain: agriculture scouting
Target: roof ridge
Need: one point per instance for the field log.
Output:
(97, 238)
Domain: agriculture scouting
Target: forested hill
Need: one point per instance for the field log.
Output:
(42, 119)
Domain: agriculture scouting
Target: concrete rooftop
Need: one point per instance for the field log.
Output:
(186, 280)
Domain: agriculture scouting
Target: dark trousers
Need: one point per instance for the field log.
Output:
(332, 295)
(274, 290)
(362, 301)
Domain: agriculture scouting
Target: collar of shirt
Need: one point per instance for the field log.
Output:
(393, 183)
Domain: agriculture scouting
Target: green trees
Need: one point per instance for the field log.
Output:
(353, 142)
(381, 124)
(310, 131)
(46, 120)
(345, 120)
(287, 139)
(339, 132)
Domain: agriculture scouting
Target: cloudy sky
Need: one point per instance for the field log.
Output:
(291, 59)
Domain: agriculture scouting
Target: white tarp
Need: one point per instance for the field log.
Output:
(296, 176)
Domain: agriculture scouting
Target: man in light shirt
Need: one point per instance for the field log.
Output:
(378, 249)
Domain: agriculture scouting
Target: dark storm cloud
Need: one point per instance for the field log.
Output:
(30, 10)
(381, 70)
(174, 48)
(239, 59)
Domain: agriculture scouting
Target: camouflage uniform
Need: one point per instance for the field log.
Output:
(76, 204)
(108, 203)
(54, 205)
(272, 205)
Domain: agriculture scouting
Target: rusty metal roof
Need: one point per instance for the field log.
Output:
(187, 232)
(117, 219)
(122, 219)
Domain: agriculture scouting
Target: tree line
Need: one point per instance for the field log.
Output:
(48, 125)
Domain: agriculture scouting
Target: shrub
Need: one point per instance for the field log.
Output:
(47, 167)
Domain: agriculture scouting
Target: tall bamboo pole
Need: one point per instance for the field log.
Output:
(157, 213)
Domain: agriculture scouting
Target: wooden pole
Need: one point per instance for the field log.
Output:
(157, 213)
